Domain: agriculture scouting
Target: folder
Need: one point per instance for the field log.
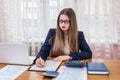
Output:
(96, 68)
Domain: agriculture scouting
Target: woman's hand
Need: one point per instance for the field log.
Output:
(62, 58)
(40, 62)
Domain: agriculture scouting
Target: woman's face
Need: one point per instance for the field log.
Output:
(64, 22)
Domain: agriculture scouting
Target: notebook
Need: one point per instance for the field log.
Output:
(15, 53)
(50, 65)
(96, 68)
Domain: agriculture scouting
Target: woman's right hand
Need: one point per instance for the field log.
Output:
(40, 62)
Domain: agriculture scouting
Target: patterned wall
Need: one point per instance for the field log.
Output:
(105, 51)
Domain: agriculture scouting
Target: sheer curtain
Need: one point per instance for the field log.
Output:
(29, 21)
(25, 20)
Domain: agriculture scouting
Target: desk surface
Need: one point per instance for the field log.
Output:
(112, 65)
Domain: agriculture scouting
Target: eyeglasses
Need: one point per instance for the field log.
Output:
(64, 21)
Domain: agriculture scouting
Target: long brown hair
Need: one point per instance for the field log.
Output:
(58, 45)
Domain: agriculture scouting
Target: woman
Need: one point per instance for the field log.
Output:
(65, 42)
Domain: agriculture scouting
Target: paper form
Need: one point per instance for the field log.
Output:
(11, 72)
(70, 73)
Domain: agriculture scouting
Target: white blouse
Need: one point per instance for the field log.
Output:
(67, 47)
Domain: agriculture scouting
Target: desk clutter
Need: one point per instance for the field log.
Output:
(71, 70)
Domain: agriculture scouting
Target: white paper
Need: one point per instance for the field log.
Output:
(11, 72)
(50, 65)
(70, 73)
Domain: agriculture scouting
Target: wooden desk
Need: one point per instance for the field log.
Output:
(112, 65)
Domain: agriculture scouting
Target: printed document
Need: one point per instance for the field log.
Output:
(11, 72)
(70, 73)
(50, 65)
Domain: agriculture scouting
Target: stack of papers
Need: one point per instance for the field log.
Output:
(70, 73)
(11, 72)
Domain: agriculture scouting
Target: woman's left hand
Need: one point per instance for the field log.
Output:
(62, 58)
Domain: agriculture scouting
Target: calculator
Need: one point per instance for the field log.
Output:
(74, 63)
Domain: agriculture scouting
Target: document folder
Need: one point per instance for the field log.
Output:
(97, 68)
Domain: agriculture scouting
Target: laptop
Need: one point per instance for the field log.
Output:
(15, 53)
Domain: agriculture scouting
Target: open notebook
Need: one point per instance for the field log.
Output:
(15, 53)
(50, 65)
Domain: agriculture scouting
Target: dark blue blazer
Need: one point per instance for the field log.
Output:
(84, 53)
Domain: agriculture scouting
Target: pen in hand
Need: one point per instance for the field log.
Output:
(40, 62)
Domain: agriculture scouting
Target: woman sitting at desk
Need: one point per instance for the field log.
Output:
(65, 42)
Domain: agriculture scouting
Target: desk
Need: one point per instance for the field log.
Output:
(112, 65)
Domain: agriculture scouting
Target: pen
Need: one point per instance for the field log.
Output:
(41, 61)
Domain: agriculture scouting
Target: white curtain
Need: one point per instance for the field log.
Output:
(24, 20)
(30, 20)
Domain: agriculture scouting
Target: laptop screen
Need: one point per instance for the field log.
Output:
(14, 53)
